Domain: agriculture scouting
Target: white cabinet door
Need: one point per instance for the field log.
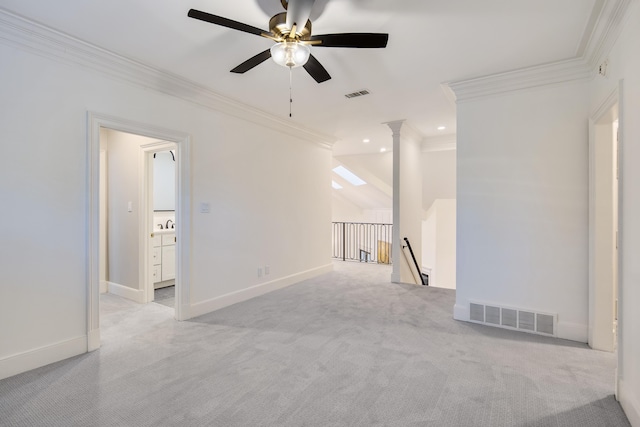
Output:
(156, 273)
(168, 262)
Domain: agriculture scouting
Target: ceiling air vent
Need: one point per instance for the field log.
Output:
(358, 93)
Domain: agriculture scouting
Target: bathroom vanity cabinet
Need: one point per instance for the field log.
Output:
(164, 259)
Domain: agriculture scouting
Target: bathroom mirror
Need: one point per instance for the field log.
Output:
(164, 181)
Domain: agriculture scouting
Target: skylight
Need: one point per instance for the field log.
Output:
(336, 185)
(349, 176)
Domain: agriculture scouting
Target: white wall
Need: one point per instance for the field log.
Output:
(409, 189)
(522, 218)
(164, 181)
(123, 230)
(343, 210)
(624, 64)
(259, 214)
(356, 202)
(429, 237)
(376, 168)
(439, 243)
(379, 216)
(438, 176)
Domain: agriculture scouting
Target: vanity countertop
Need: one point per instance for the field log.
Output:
(164, 231)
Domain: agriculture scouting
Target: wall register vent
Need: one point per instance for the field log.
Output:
(512, 318)
(362, 92)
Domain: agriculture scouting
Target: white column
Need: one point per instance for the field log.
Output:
(407, 202)
(396, 246)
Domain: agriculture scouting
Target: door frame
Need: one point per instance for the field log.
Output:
(95, 121)
(613, 99)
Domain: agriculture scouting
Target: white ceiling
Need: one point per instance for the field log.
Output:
(430, 42)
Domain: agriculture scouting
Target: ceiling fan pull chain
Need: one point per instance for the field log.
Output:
(290, 84)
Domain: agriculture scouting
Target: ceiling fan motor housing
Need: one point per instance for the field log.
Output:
(278, 27)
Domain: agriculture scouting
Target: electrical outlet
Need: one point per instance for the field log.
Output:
(259, 272)
(267, 270)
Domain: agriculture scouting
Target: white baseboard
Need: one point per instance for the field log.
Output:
(573, 331)
(103, 286)
(441, 286)
(630, 402)
(213, 304)
(461, 312)
(93, 339)
(136, 295)
(32, 359)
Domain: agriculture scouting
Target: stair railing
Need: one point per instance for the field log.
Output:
(422, 276)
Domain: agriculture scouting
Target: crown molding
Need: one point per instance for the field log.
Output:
(24, 34)
(604, 33)
(526, 78)
(440, 143)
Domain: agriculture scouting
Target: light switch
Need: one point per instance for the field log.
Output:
(130, 207)
(205, 207)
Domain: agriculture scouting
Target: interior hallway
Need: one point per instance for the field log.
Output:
(348, 348)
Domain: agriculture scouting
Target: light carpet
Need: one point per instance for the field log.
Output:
(345, 349)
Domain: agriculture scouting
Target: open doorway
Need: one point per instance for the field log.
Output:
(161, 185)
(603, 227)
(121, 213)
(137, 222)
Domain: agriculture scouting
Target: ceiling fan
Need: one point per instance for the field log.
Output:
(291, 30)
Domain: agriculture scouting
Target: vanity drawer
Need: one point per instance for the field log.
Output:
(168, 239)
(156, 255)
(156, 241)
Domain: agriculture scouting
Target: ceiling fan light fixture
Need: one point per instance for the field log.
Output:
(291, 54)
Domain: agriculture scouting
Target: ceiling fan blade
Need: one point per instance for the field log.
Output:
(316, 70)
(252, 62)
(359, 40)
(298, 12)
(219, 20)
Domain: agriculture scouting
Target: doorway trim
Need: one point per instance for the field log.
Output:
(612, 100)
(95, 121)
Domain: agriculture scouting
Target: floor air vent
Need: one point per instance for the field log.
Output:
(511, 318)
(544, 324)
(477, 312)
(526, 321)
(492, 315)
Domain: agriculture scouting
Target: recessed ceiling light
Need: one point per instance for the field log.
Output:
(351, 177)
(366, 140)
(442, 127)
(382, 150)
(336, 185)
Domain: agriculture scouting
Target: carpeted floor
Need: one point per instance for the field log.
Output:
(345, 349)
(165, 296)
